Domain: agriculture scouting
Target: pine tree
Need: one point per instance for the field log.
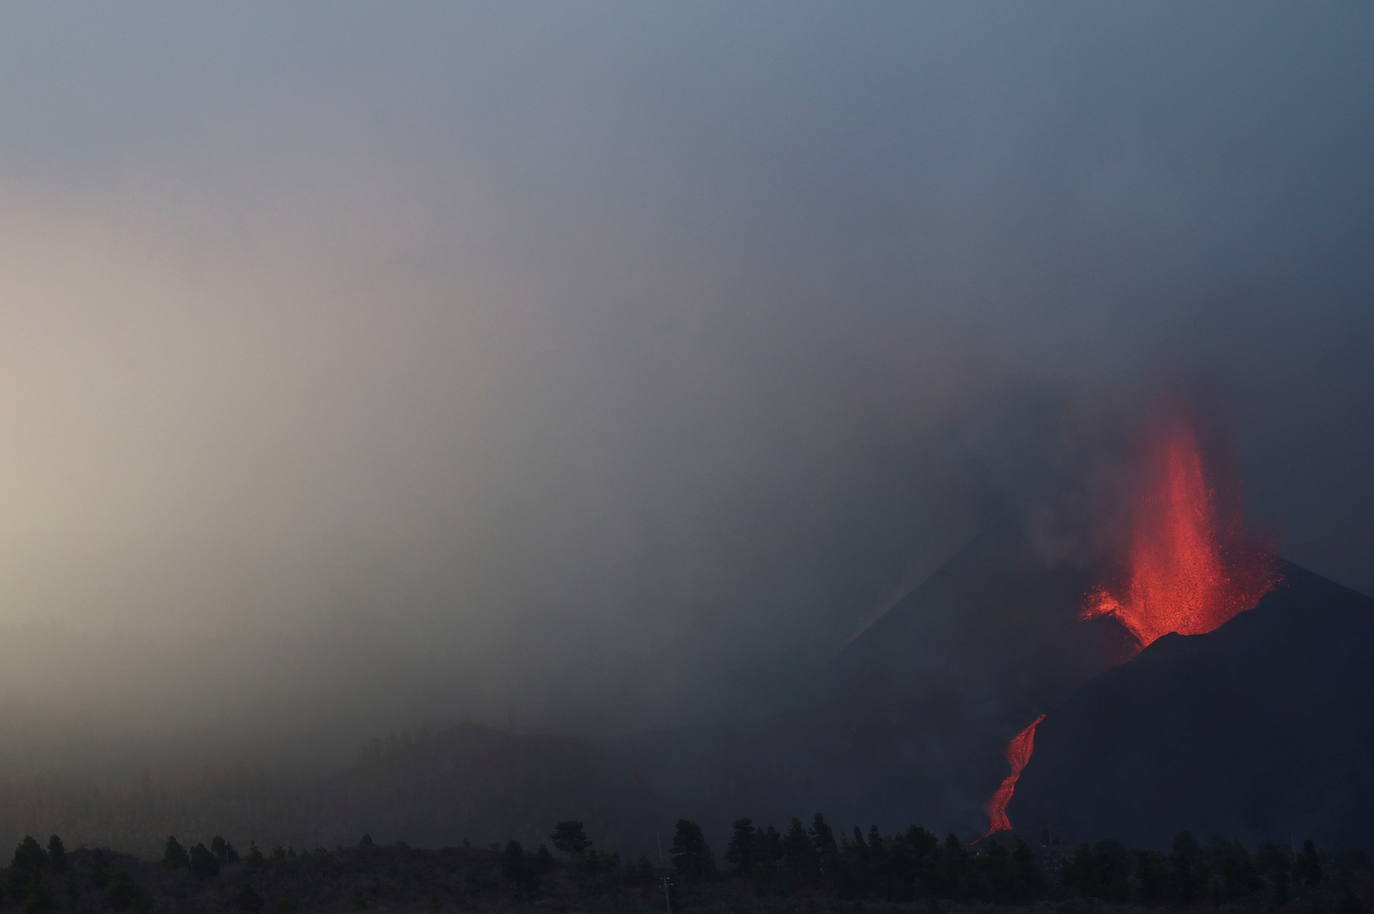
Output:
(1112, 870)
(1027, 878)
(203, 863)
(1231, 861)
(57, 854)
(799, 852)
(174, 855)
(570, 837)
(1274, 862)
(691, 855)
(1152, 874)
(513, 864)
(742, 851)
(1187, 876)
(827, 852)
(953, 869)
(1308, 867)
(994, 879)
(29, 856)
(26, 869)
(925, 862)
(856, 862)
(768, 856)
(1079, 875)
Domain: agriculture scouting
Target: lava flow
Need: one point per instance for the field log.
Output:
(1018, 753)
(1186, 571)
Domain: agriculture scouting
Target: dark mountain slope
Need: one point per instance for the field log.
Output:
(1261, 729)
(931, 692)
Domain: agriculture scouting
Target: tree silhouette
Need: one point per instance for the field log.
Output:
(174, 855)
(995, 879)
(224, 851)
(1308, 867)
(1152, 873)
(513, 865)
(743, 848)
(1111, 870)
(1186, 873)
(1028, 881)
(953, 868)
(570, 837)
(799, 852)
(57, 854)
(827, 852)
(691, 855)
(26, 869)
(203, 863)
(1232, 864)
(1275, 863)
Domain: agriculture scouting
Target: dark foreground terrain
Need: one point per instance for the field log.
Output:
(801, 868)
(1262, 728)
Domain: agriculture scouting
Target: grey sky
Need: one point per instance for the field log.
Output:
(586, 361)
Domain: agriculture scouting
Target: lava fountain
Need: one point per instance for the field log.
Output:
(1018, 753)
(1188, 570)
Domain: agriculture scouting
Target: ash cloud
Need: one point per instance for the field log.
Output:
(593, 368)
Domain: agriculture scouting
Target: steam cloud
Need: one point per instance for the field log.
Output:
(604, 368)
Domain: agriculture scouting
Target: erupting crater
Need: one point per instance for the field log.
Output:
(1188, 569)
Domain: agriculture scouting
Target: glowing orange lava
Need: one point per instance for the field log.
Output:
(1018, 753)
(1185, 573)
(1187, 570)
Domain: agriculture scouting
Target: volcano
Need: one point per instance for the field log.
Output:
(930, 693)
(1189, 568)
(1260, 730)
(1189, 681)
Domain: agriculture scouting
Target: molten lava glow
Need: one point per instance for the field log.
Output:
(1187, 570)
(1184, 572)
(1018, 753)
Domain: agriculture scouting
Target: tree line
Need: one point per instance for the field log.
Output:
(915, 864)
(807, 860)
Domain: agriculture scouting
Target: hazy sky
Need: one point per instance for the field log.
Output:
(597, 363)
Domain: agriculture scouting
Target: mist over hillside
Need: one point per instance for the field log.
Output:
(440, 421)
